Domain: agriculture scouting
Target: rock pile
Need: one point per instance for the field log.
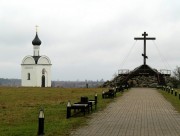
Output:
(137, 81)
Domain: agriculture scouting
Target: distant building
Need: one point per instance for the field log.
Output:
(36, 69)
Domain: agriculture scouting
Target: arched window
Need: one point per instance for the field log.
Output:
(43, 71)
(28, 76)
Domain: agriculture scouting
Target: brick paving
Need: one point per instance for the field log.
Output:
(139, 112)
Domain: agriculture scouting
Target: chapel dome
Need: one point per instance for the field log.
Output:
(36, 40)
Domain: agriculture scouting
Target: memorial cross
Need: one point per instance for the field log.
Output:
(144, 38)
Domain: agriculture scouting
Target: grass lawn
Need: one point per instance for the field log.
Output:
(19, 109)
(174, 100)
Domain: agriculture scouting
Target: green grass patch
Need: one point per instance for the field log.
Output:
(19, 108)
(174, 100)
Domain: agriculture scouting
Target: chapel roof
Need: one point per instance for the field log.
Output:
(36, 40)
(33, 60)
(36, 58)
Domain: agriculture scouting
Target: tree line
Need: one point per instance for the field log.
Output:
(61, 84)
(10, 82)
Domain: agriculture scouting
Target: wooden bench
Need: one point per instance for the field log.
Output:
(94, 103)
(109, 94)
(88, 103)
(84, 106)
(120, 89)
(91, 103)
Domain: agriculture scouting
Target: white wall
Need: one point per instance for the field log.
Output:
(36, 75)
(25, 69)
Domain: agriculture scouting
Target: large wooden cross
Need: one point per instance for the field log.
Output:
(144, 38)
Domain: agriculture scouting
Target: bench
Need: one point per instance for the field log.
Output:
(88, 103)
(109, 94)
(91, 103)
(120, 89)
(84, 106)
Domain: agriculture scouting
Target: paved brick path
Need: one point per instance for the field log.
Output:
(139, 112)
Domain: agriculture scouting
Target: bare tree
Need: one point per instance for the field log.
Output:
(177, 73)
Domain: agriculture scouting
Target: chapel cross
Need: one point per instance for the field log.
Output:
(144, 38)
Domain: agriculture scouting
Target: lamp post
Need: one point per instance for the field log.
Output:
(103, 94)
(95, 97)
(68, 115)
(41, 123)
(172, 91)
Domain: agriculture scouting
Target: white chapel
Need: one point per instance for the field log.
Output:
(36, 69)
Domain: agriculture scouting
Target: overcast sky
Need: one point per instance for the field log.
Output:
(89, 39)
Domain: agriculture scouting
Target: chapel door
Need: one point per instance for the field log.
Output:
(43, 81)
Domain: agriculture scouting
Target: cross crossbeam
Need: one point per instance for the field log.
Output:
(144, 38)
